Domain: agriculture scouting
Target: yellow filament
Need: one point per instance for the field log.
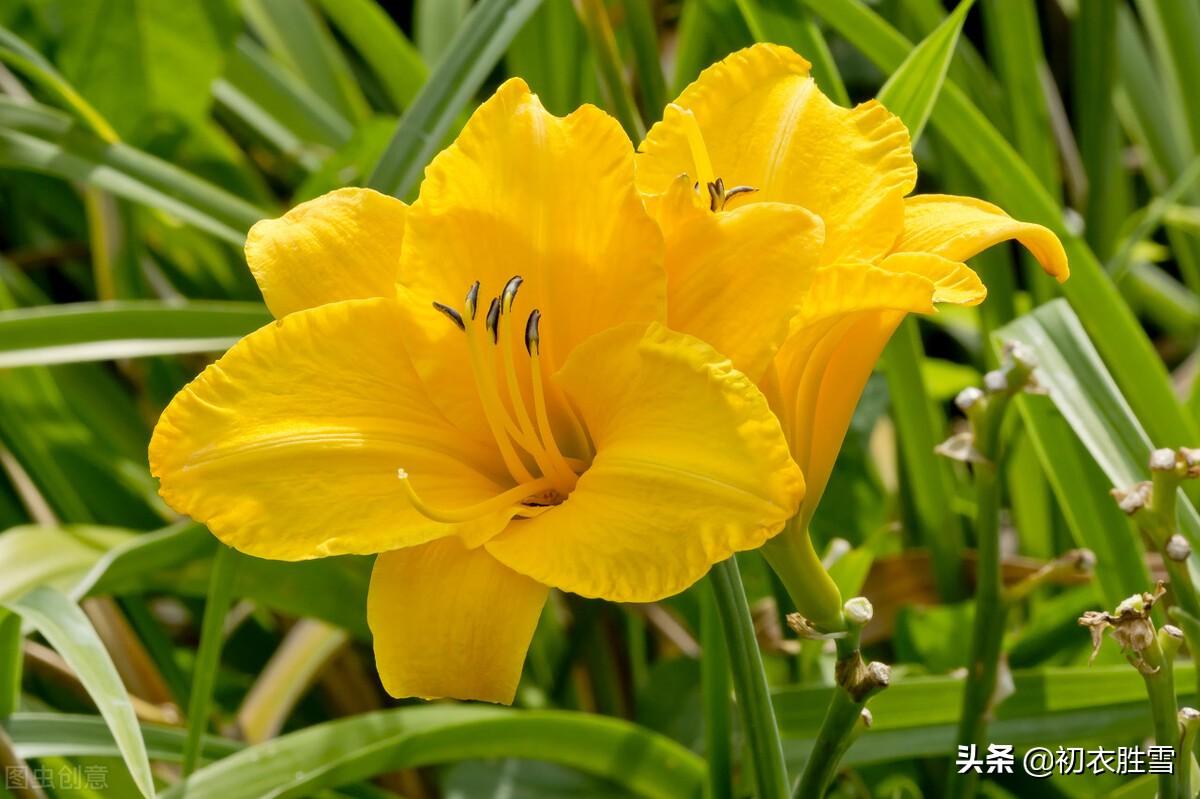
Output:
(553, 467)
(500, 502)
(543, 420)
(497, 417)
(691, 128)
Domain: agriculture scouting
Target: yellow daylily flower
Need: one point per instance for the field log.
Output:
(560, 435)
(754, 129)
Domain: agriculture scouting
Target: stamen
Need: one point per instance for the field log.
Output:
(716, 195)
(532, 339)
(737, 190)
(691, 128)
(533, 345)
(473, 299)
(493, 317)
(538, 446)
(485, 383)
(454, 315)
(510, 292)
(500, 502)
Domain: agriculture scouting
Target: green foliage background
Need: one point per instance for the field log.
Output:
(139, 139)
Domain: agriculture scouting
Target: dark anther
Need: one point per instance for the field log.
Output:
(510, 292)
(493, 319)
(454, 315)
(532, 337)
(736, 190)
(716, 195)
(473, 298)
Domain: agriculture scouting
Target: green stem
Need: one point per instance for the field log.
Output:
(1164, 712)
(750, 682)
(714, 681)
(988, 634)
(813, 592)
(838, 728)
(11, 662)
(220, 596)
(833, 739)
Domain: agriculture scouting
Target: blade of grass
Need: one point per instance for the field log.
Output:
(779, 21)
(912, 90)
(129, 328)
(393, 59)
(284, 96)
(477, 46)
(619, 98)
(1096, 129)
(344, 751)
(68, 630)
(643, 36)
(38, 735)
(297, 36)
(208, 657)
(434, 24)
(40, 139)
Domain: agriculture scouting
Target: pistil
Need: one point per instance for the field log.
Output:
(500, 502)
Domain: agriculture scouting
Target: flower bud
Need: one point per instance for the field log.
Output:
(968, 397)
(858, 611)
(1163, 460)
(1177, 548)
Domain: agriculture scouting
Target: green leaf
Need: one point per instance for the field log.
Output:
(382, 45)
(37, 735)
(912, 90)
(344, 751)
(123, 329)
(1081, 489)
(56, 556)
(140, 59)
(208, 656)
(643, 36)
(1015, 51)
(298, 38)
(284, 97)
(40, 139)
(434, 25)
(68, 630)
(781, 22)
(474, 52)
(618, 95)
(1094, 410)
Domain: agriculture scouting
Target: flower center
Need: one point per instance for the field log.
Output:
(718, 195)
(543, 475)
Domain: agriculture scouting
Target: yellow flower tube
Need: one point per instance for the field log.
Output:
(482, 389)
(754, 130)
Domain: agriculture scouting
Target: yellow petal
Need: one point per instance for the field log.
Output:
(850, 312)
(690, 467)
(451, 622)
(288, 446)
(735, 278)
(765, 124)
(959, 227)
(344, 245)
(953, 282)
(523, 192)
